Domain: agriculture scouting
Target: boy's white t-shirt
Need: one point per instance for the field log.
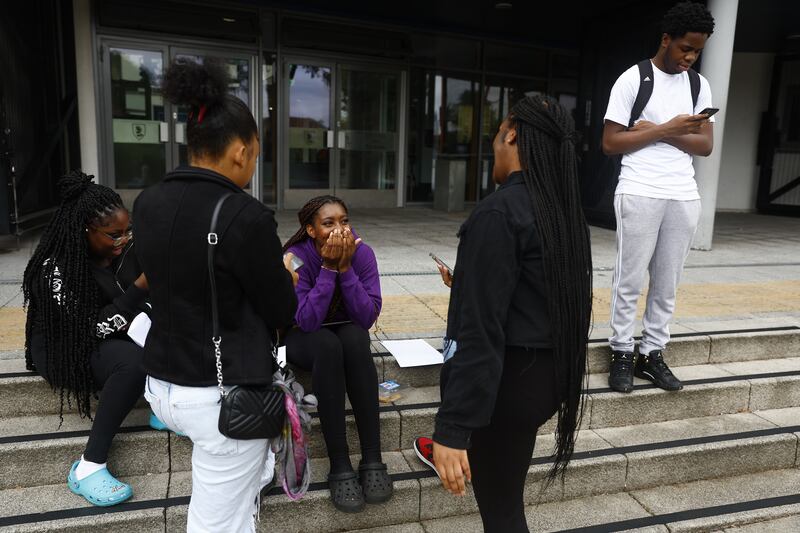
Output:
(658, 170)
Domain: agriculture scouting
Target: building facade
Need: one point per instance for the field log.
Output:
(387, 105)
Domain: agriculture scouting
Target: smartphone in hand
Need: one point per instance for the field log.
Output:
(441, 263)
(296, 262)
(709, 111)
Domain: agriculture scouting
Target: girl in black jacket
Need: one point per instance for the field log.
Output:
(82, 287)
(254, 289)
(519, 314)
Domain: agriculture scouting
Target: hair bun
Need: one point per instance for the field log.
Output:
(72, 185)
(187, 82)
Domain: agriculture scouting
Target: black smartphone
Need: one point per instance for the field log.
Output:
(440, 262)
(709, 111)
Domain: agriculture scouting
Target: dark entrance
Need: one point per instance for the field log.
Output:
(779, 153)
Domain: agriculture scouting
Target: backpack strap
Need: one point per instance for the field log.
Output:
(694, 83)
(645, 90)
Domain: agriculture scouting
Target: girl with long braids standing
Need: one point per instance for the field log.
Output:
(339, 298)
(519, 313)
(255, 294)
(82, 288)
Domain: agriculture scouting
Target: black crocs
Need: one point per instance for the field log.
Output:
(378, 486)
(346, 493)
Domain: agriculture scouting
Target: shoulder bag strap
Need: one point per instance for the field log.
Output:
(213, 240)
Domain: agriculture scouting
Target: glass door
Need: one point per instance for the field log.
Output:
(309, 132)
(144, 136)
(239, 68)
(367, 134)
(139, 153)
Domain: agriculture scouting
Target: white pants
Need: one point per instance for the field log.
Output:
(226, 473)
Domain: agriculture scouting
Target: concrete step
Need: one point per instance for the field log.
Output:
(608, 460)
(770, 503)
(701, 349)
(710, 390)
(702, 505)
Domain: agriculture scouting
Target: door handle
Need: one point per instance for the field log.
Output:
(342, 140)
(329, 139)
(163, 131)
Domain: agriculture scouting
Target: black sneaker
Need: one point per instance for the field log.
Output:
(653, 368)
(620, 375)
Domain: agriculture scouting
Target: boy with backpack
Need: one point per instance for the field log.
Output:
(657, 120)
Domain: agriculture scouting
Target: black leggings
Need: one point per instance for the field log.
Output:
(339, 359)
(501, 452)
(117, 369)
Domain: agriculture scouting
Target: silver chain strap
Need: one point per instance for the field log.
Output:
(218, 354)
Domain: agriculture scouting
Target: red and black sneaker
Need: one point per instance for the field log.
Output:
(423, 446)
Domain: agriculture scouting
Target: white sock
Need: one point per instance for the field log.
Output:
(87, 468)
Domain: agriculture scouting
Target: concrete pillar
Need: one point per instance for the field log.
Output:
(87, 101)
(717, 59)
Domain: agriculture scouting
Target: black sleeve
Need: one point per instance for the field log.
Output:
(113, 319)
(489, 263)
(261, 272)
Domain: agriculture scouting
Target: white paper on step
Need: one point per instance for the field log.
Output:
(140, 326)
(414, 352)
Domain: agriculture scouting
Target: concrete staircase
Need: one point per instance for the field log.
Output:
(719, 455)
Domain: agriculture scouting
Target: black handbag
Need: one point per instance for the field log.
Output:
(246, 412)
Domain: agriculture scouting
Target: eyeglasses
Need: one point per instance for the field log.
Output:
(116, 241)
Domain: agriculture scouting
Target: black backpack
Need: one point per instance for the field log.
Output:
(646, 90)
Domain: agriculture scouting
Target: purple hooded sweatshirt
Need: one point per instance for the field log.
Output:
(360, 285)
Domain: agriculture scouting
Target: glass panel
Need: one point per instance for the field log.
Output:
(499, 96)
(269, 128)
(309, 124)
(238, 85)
(137, 114)
(442, 134)
(367, 130)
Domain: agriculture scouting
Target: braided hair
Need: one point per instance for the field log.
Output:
(61, 296)
(546, 146)
(306, 217)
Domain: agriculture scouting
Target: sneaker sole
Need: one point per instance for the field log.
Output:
(425, 460)
(657, 382)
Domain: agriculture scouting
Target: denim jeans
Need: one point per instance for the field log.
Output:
(226, 473)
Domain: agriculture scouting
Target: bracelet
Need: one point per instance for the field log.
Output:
(330, 269)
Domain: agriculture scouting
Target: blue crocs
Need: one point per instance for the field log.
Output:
(158, 425)
(100, 488)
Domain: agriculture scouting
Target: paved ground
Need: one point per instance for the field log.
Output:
(750, 279)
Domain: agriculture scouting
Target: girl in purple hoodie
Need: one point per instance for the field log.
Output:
(338, 300)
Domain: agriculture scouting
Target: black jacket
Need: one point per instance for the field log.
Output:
(121, 298)
(498, 299)
(255, 293)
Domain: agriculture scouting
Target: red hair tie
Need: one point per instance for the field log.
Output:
(201, 114)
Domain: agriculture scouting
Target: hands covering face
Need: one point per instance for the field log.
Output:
(337, 252)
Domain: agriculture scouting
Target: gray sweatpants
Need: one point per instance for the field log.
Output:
(653, 235)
